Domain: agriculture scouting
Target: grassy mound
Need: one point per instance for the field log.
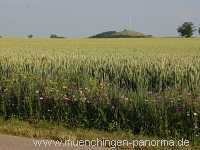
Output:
(122, 34)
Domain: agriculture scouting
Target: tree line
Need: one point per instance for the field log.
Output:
(51, 36)
(187, 30)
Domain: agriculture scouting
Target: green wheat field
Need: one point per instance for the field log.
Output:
(148, 86)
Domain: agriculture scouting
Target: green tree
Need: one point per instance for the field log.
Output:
(53, 36)
(199, 30)
(30, 36)
(186, 29)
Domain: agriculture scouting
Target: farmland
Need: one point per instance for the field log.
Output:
(146, 86)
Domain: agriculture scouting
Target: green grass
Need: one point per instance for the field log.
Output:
(45, 130)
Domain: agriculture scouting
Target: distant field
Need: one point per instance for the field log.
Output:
(146, 46)
(147, 86)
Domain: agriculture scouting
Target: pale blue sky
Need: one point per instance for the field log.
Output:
(79, 18)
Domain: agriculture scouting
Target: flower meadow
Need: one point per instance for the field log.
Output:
(88, 84)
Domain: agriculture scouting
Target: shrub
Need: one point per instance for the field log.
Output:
(56, 36)
(30, 36)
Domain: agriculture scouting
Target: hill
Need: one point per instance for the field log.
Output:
(122, 34)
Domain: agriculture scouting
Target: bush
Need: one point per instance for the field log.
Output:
(56, 36)
(30, 36)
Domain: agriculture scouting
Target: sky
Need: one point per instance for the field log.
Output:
(82, 18)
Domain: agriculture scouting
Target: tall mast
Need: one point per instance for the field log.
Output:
(130, 23)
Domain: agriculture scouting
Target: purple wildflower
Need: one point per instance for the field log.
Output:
(179, 109)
